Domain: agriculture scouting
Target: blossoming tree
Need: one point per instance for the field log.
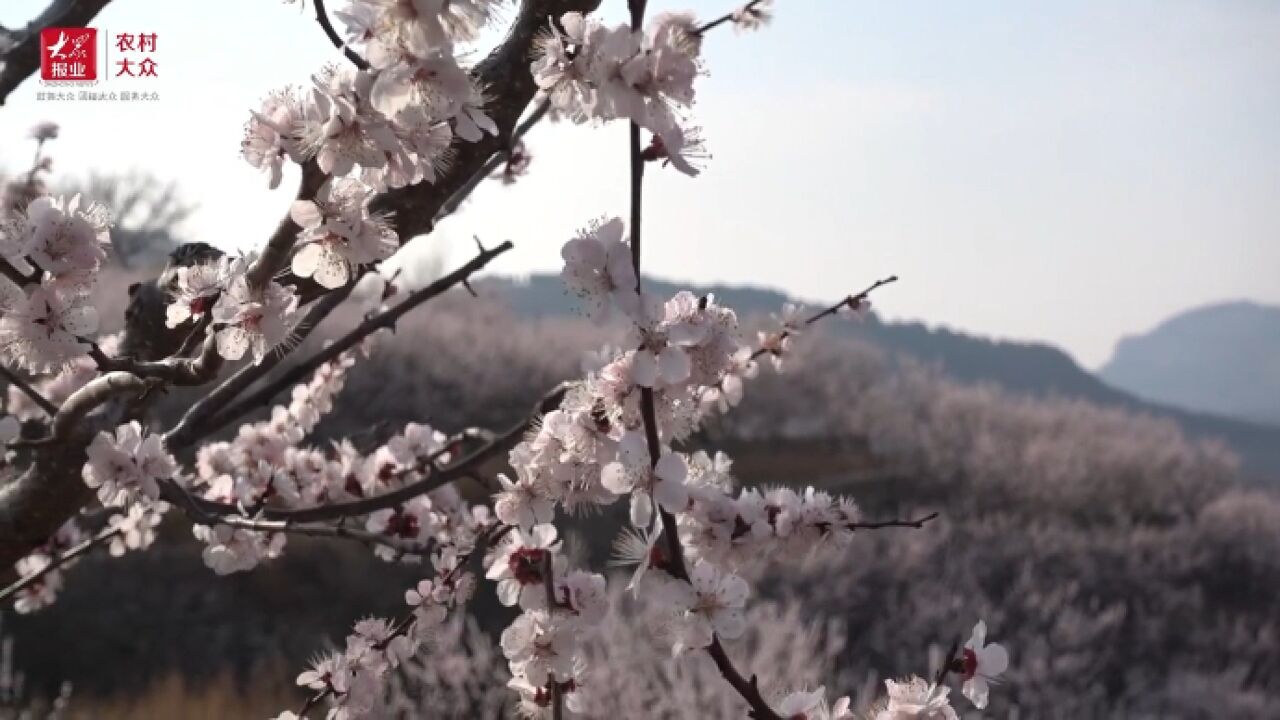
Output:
(389, 139)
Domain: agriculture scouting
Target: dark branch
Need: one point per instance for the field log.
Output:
(322, 17)
(58, 561)
(185, 432)
(455, 201)
(748, 689)
(15, 380)
(917, 523)
(853, 302)
(19, 60)
(713, 24)
(506, 78)
(386, 319)
(276, 253)
(468, 466)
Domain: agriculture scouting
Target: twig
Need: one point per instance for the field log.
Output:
(182, 371)
(58, 561)
(328, 531)
(465, 467)
(322, 17)
(948, 665)
(553, 685)
(11, 272)
(455, 200)
(917, 523)
(23, 57)
(748, 689)
(49, 408)
(188, 428)
(852, 302)
(280, 244)
(385, 319)
(702, 29)
(197, 332)
(488, 537)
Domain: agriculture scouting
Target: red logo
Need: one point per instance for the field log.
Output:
(68, 54)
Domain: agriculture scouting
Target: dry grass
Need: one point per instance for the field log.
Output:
(220, 698)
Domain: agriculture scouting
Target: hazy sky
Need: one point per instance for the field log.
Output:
(1060, 171)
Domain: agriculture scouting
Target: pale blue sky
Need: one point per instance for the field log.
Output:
(1059, 171)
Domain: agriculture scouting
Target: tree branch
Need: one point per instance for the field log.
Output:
(58, 561)
(917, 523)
(713, 24)
(15, 380)
(325, 531)
(505, 77)
(276, 252)
(322, 17)
(19, 60)
(748, 689)
(185, 432)
(439, 478)
(455, 201)
(386, 319)
(33, 507)
(853, 302)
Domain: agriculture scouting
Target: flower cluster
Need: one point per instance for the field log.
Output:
(338, 233)
(589, 71)
(267, 465)
(752, 16)
(127, 466)
(44, 590)
(56, 246)
(135, 528)
(245, 318)
(394, 120)
(558, 604)
(812, 705)
(979, 664)
(58, 387)
(352, 680)
(128, 529)
(916, 699)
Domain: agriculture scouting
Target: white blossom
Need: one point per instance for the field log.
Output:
(252, 320)
(598, 269)
(338, 233)
(983, 664)
(753, 15)
(711, 604)
(916, 699)
(631, 474)
(196, 288)
(519, 566)
(136, 528)
(41, 330)
(271, 135)
(66, 238)
(127, 465)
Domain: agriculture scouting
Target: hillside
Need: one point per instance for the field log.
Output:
(1035, 369)
(1222, 358)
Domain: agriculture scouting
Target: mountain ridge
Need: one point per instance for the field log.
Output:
(1222, 358)
(1032, 368)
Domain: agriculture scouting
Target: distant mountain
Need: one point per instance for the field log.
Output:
(1223, 359)
(1031, 368)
